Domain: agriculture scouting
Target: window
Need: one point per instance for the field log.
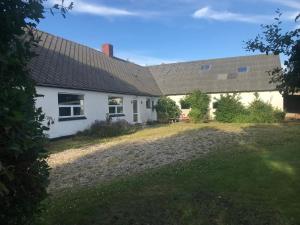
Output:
(243, 69)
(70, 106)
(148, 103)
(205, 67)
(115, 106)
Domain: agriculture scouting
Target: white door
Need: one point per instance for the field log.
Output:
(135, 111)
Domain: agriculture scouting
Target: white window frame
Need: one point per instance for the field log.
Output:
(71, 106)
(116, 114)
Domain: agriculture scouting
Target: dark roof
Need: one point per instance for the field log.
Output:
(66, 64)
(222, 75)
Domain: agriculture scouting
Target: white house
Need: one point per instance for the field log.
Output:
(80, 85)
(244, 75)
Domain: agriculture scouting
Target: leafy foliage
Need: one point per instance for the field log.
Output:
(23, 168)
(229, 107)
(167, 109)
(275, 41)
(184, 103)
(104, 129)
(262, 112)
(199, 103)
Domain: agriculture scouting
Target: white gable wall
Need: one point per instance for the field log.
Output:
(95, 108)
(272, 97)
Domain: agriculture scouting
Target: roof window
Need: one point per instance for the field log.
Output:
(205, 67)
(243, 69)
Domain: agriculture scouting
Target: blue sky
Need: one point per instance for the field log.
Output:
(151, 32)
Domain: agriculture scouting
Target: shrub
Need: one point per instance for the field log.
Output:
(103, 129)
(167, 109)
(199, 106)
(229, 109)
(184, 103)
(151, 122)
(278, 115)
(262, 112)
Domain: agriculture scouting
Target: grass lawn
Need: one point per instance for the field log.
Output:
(254, 182)
(154, 131)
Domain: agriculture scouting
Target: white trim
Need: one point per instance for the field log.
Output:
(116, 106)
(71, 106)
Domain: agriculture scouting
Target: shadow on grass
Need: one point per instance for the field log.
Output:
(251, 179)
(78, 141)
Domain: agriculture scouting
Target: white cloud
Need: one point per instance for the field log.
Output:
(95, 9)
(208, 13)
(142, 59)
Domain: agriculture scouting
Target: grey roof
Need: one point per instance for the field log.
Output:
(66, 64)
(222, 75)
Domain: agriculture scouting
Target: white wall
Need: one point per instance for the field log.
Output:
(272, 97)
(95, 108)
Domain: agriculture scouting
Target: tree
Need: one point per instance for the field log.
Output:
(23, 169)
(199, 106)
(167, 109)
(275, 41)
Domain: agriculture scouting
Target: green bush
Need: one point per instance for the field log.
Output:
(199, 103)
(184, 103)
(104, 129)
(229, 109)
(262, 112)
(278, 115)
(167, 109)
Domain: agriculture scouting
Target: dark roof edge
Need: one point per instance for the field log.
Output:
(95, 90)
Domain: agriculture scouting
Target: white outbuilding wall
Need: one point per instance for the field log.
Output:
(272, 97)
(95, 108)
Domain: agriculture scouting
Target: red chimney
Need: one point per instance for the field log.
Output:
(108, 49)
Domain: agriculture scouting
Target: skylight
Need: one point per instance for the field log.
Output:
(243, 69)
(205, 67)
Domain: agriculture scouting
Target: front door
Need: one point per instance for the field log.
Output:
(135, 111)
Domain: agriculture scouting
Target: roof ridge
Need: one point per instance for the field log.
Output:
(212, 59)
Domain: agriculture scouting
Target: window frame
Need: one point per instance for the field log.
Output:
(116, 107)
(71, 116)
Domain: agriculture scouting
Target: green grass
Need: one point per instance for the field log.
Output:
(154, 131)
(252, 183)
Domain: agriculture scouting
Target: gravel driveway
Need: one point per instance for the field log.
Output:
(93, 164)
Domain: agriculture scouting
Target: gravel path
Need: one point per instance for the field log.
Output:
(86, 166)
